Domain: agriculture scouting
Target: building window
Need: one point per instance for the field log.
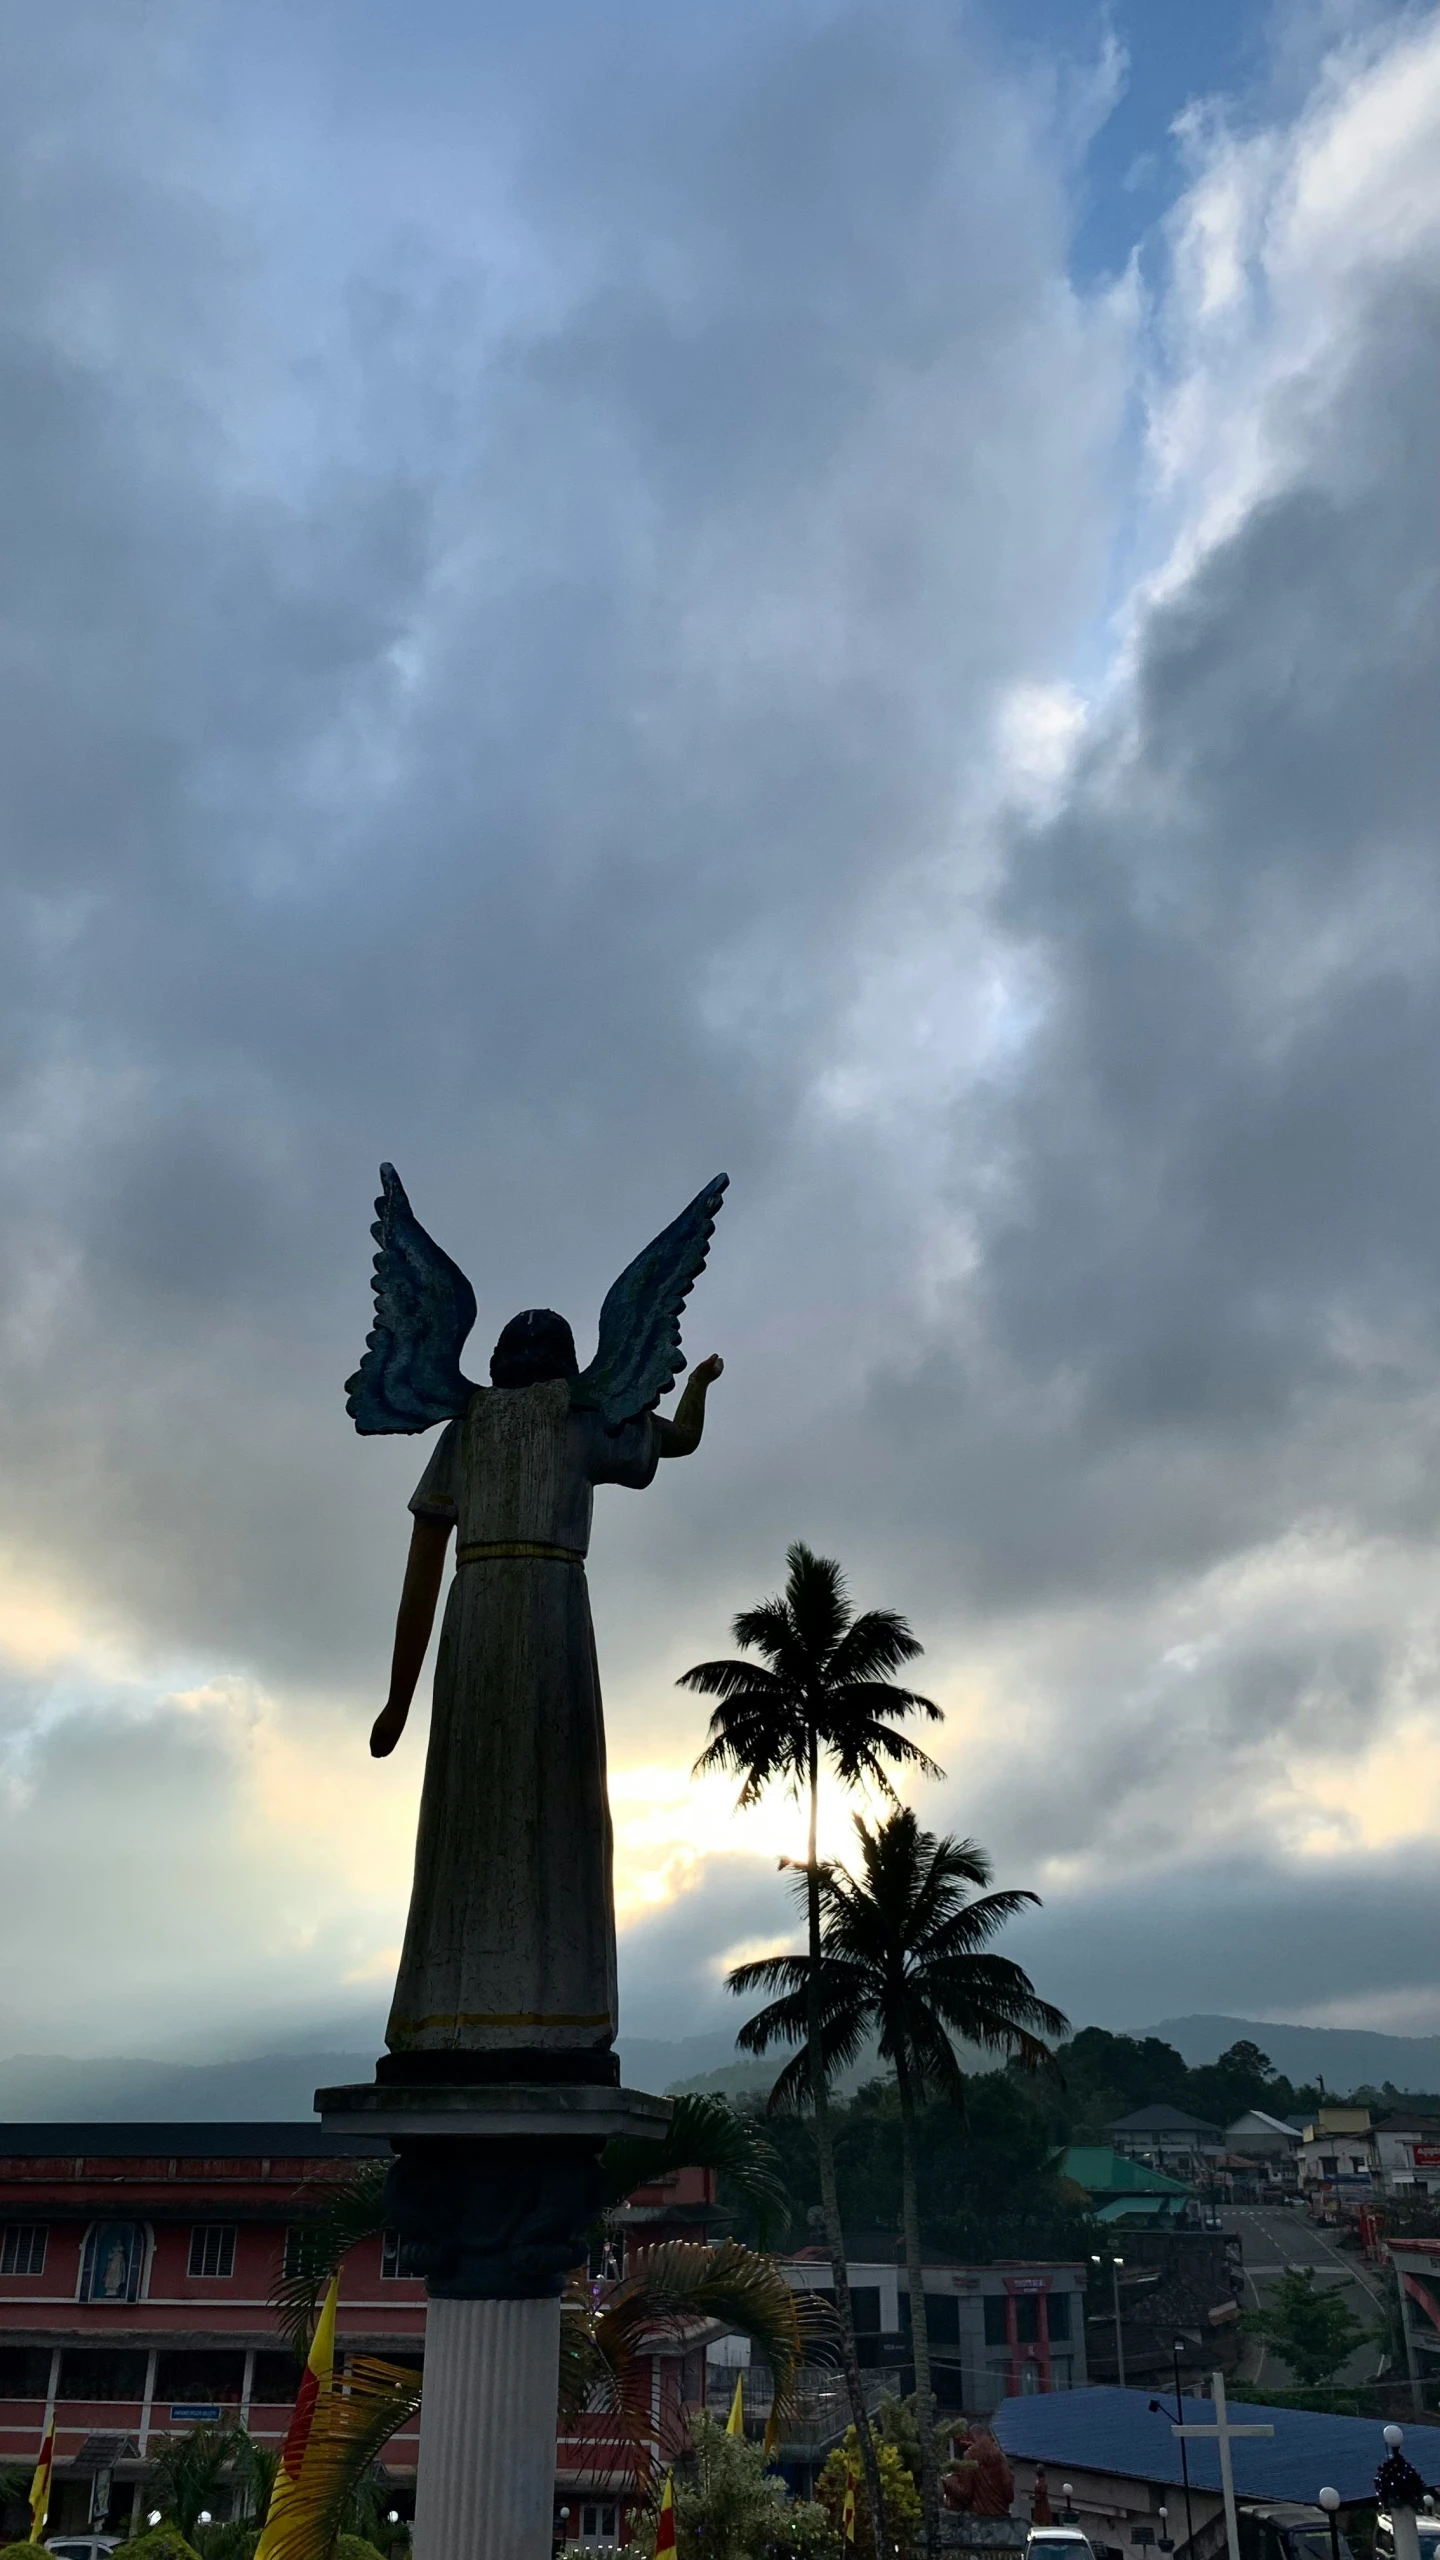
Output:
(600, 2520)
(24, 2373)
(1058, 2306)
(390, 2267)
(1328, 2168)
(1027, 2319)
(293, 2263)
(277, 2378)
(997, 2332)
(942, 2319)
(212, 2249)
(103, 2373)
(112, 2262)
(22, 2251)
(199, 2377)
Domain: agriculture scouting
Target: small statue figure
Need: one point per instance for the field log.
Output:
(508, 1964)
(980, 2481)
(1041, 2511)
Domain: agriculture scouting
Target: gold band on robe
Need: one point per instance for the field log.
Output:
(485, 1549)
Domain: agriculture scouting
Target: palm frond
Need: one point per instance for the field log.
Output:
(704, 2132)
(732, 1679)
(354, 2421)
(345, 2212)
(873, 1646)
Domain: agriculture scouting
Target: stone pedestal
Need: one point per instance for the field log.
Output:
(493, 2189)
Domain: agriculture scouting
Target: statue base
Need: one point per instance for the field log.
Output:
(494, 2186)
(494, 2189)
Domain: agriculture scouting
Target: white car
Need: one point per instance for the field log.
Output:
(85, 2546)
(1426, 2527)
(1067, 2542)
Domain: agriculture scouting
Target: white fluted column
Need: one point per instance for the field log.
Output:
(486, 2483)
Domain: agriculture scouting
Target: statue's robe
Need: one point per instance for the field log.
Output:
(510, 1943)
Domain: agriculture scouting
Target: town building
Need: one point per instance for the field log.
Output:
(1267, 2144)
(1406, 2153)
(1016, 2327)
(1174, 2289)
(1185, 2146)
(137, 2268)
(1116, 2452)
(1336, 2161)
(1127, 2192)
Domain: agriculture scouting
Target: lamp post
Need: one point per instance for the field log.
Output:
(1115, 2265)
(1156, 2406)
(1329, 2499)
(1067, 2492)
(1400, 2487)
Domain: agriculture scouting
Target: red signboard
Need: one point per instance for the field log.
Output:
(1427, 2155)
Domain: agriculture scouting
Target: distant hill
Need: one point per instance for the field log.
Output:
(276, 2087)
(57, 2088)
(1344, 2057)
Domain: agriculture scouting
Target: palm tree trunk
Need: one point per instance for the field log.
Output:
(829, 2198)
(919, 2331)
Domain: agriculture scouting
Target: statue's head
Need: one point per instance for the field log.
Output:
(534, 1347)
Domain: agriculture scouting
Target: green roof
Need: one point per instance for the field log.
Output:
(1103, 2172)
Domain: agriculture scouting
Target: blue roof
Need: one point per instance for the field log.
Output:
(1106, 2429)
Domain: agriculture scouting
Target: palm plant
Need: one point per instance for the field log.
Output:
(601, 2340)
(820, 1693)
(189, 2470)
(903, 1957)
(605, 2347)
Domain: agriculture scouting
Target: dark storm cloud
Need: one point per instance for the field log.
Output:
(1347, 1932)
(501, 793)
(513, 558)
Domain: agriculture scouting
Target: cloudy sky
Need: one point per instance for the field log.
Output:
(839, 590)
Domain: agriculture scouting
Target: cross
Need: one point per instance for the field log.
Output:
(1221, 2434)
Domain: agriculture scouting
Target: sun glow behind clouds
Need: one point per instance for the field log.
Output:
(668, 1823)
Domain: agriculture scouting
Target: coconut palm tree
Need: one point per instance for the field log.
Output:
(820, 1694)
(904, 1957)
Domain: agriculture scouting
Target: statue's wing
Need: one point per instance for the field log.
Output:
(639, 1357)
(424, 1308)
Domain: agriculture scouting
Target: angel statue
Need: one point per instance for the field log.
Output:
(508, 1966)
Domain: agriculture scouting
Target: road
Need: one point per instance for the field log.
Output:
(1274, 2238)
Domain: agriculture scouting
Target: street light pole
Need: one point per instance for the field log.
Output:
(1115, 2265)
(1184, 2453)
(1329, 2499)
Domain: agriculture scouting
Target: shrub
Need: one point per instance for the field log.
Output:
(351, 2547)
(903, 2512)
(160, 2542)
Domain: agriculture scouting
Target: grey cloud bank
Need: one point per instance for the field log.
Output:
(519, 563)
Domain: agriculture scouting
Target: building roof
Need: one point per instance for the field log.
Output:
(1109, 2173)
(299, 2140)
(1257, 2115)
(1107, 2429)
(1163, 2120)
